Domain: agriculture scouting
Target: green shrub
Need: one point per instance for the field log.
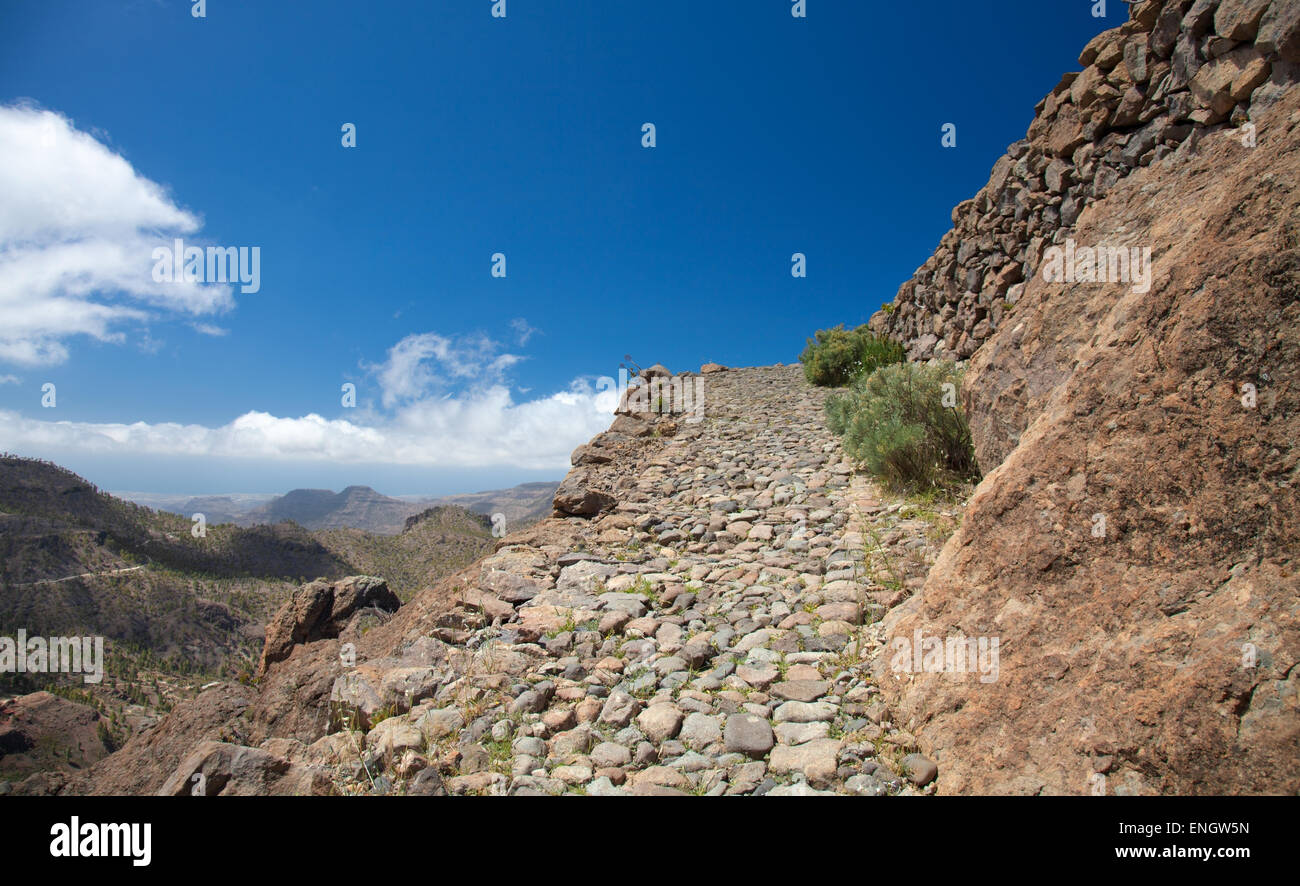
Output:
(898, 424)
(838, 356)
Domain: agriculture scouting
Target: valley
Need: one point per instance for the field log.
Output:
(177, 611)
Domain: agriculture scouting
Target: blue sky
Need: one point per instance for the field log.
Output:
(475, 135)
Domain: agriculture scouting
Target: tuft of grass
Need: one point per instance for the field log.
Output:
(881, 567)
(643, 587)
(382, 714)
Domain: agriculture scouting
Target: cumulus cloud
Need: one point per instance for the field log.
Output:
(78, 226)
(420, 365)
(487, 429)
(431, 422)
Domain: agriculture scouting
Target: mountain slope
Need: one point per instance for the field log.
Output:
(357, 507)
(433, 544)
(176, 610)
(76, 561)
(522, 505)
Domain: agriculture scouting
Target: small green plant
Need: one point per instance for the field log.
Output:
(643, 587)
(702, 789)
(904, 424)
(886, 574)
(838, 356)
(499, 755)
(382, 714)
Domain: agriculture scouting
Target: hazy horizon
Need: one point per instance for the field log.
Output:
(181, 477)
(140, 496)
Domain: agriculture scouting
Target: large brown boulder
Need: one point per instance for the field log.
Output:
(223, 769)
(577, 497)
(1133, 545)
(321, 610)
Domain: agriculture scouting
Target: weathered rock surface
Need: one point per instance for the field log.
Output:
(150, 758)
(1134, 543)
(43, 732)
(321, 610)
(646, 649)
(220, 769)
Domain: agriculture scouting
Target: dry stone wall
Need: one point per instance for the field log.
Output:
(1177, 70)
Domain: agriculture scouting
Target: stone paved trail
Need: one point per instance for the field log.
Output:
(711, 634)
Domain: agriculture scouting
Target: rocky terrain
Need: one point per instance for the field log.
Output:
(41, 732)
(707, 628)
(176, 611)
(1134, 540)
(723, 606)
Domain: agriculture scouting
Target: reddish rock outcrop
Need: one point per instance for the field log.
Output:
(1133, 545)
(321, 610)
(221, 769)
(43, 731)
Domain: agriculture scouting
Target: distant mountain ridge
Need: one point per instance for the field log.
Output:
(356, 507)
(523, 504)
(74, 561)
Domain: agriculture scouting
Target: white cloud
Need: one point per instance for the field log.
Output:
(484, 430)
(9, 380)
(523, 330)
(78, 226)
(478, 426)
(410, 373)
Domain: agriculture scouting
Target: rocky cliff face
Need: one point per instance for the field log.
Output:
(1178, 70)
(1134, 542)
